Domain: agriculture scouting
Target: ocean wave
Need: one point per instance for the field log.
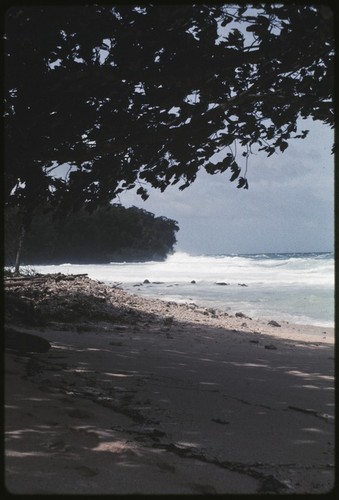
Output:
(298, 285)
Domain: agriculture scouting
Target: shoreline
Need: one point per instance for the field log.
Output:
(280, 289)
(140, 395)
(288, 329)
(111, 295)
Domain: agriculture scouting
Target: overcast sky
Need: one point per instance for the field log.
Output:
(289, 206)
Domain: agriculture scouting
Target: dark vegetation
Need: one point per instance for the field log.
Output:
(107, 234)
(130, 96)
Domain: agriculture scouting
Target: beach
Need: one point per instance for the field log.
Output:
(148, 396)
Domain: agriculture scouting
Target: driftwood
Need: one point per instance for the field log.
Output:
(15, 280)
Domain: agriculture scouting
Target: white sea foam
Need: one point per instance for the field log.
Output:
(293, 287)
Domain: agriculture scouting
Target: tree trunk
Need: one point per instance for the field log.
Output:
(19, 250)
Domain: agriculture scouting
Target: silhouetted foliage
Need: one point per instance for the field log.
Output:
(129, 96)
(107, 234)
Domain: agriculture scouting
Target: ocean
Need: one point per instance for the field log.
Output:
(294, 287)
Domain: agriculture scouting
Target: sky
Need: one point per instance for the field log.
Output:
(289, 206)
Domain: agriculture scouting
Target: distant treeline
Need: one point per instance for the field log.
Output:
(113, 233)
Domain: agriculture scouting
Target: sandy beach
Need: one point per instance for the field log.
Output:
(147, 396)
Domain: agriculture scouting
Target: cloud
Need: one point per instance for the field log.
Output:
(289, 205)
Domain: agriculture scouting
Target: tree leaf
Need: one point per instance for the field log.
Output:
(283, 146)
(242, 183)
(236, 171)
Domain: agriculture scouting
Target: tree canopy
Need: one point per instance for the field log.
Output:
(110, 233)
(128, 96)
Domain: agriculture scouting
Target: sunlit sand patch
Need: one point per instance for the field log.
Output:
(118, 447)
(310, 375)
(186, 444)
(21, 454)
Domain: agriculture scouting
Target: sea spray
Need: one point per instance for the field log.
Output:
(296, 287)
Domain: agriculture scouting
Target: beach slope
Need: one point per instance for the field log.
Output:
(144, 396)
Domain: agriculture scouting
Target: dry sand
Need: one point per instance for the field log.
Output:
(144, 396)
